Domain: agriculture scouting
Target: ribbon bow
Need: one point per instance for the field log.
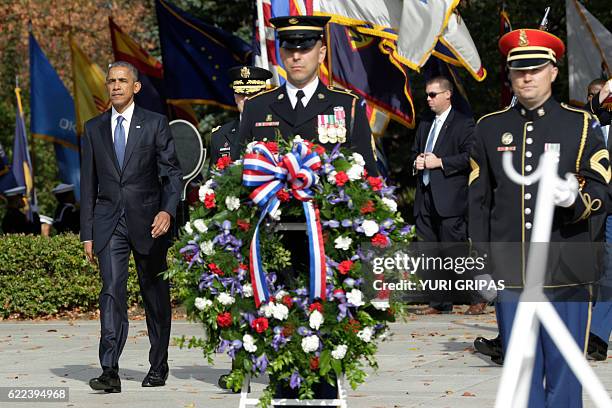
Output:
(268, 175)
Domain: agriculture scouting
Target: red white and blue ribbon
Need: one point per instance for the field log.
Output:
(268, 175)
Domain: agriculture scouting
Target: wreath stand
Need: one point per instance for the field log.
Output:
(340, 401)
(515, 381)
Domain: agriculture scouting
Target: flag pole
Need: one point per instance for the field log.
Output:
(263, 49)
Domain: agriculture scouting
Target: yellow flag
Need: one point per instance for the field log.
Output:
(90, 94)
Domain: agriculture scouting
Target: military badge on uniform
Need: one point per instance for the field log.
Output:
(507, 138)
(332, 128)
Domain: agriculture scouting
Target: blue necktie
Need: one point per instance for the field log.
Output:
(429, 149)
(120, 141)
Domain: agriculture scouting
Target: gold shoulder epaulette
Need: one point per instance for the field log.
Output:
(577, 110)
(343, 91)
(215, 129)
(493, 113)
(262, 93)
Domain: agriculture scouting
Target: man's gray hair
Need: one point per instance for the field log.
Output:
(124, 64)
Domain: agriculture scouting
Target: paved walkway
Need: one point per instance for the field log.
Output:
(428, 362)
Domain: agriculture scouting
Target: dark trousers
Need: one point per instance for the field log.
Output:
(432, 227)
(155, 291)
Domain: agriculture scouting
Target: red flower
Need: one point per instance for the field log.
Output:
(353, 325)
(316, 306)
(283, 195)
(260, 324)
(223, 162)
(375, 183)
(209, 200)
(287, 301)
(320, 150)
(368, 207)
(341, 178)
(224, 319)
(272, 146)
(215, 269)
(188, 256)
(338, 292)
(380, 240)
(243, 225)
(345, 267)
(314, 363)
(288, 330)
(365, 173)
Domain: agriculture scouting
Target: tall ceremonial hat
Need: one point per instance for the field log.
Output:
(299, 32)
(248, 80)
(529, 48)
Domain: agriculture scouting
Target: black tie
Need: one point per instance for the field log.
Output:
(299, 106)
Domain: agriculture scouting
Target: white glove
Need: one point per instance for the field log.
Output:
(566, 191)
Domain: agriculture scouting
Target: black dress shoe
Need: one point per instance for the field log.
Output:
(108, 382)
(491, 348)
(597, 348)
(156, 378)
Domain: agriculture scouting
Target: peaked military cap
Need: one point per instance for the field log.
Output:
(247, 80)
(63, 188)
(299, 32)
(529, 48)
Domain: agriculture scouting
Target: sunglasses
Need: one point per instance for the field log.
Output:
(433, 94)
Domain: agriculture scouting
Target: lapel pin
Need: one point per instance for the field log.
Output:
(281, 96)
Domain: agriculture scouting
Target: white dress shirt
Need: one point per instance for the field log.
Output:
(127, 116)
(440, 119)
(309, 90)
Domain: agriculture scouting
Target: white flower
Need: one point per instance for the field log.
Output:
(355, 297)
(355, 172)
(280, 311)
(297, 139)
(339, 352)
(310, 344)
(316, 320)
(200, 225)
(358, 159)
(369, 227)
(281, 294)
(238, 162)
(366, 334)
(225, 299)
(380, 304)
(204, 190)
(232, 203)
(276, 214)
(188, 228)
(201, 303)
(207, 247)
(248, 342)
(390, 204)
(267, 310)
(331, 177)
(247, 290)
(327, 168)
(343, 243)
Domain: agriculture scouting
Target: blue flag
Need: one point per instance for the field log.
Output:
(7, 180)
(196, 58)
(52, 115)
(22, 165)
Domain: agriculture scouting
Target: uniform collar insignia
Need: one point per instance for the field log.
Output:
(320, 96)
(541, 112)
(280, 97)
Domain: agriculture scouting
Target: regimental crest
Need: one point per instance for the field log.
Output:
(523, 40)
(245, 72)
(507, 138)
(293, 21)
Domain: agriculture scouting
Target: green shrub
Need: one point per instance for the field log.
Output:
(44, 276)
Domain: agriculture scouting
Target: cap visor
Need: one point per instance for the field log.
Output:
(528, 63)
(298, 43)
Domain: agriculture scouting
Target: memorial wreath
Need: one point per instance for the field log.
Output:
(230, 253)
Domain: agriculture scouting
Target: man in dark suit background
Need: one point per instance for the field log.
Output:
(440, 155)
(130, 188)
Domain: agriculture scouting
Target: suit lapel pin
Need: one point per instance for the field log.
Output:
(320, 96)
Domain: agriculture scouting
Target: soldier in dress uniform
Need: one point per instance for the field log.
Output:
(15, 221)
(67, 214)
(304, 106)
(501, 211)
(246, 82)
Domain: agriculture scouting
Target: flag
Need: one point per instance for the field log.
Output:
(90, 94)
(52, 115)
(7, 180)
(366, 65)
(196, 58)
(504, 27)
(22, 164)
(150, 74)
(589, 50)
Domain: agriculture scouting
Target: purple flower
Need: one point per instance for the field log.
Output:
(303, 331)
(295, 380)
(278, 340)
(235, 346)
(406, 229)
(261, 363)
(349, 282)
(347, 223)
(301, 292)
(331, 224)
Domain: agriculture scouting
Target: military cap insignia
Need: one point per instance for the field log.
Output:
(245, 72)
(523, 40)
(507, 138)
(293, 21)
